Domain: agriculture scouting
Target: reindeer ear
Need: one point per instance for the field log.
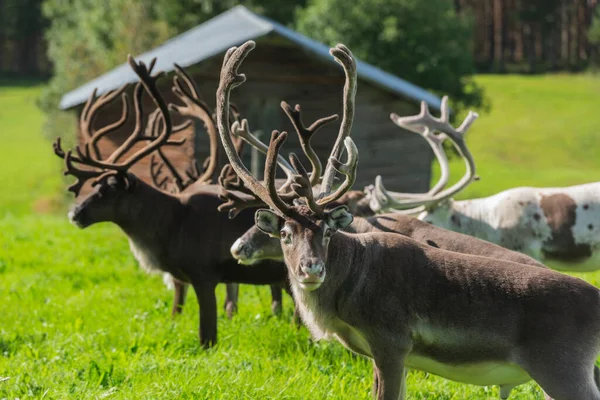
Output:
(339, 218)
(268, 222)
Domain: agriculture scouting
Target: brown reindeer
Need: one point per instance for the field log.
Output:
(255, 245)
(182, 234)
(186, 90)
(405, 304)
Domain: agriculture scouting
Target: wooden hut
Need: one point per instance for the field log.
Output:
(284, 66)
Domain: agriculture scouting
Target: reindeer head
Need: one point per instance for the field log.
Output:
(298, 219)
(109, 177)
(254, 246)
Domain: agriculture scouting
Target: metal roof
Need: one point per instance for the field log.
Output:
(229, 29)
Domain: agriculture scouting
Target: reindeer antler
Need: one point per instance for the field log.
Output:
(89, 155)
(301, 186)
(241, 130)
(305, 135)
(195, 107)
(425, 125)
(344, 57)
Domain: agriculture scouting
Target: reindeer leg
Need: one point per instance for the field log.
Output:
(179, 297)
(375, 381)
(207, 301)
(566, 379)
(505, 391)
(391, 379)
(276, 303)
(231, 299)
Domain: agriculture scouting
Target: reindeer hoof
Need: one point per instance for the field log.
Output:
(230, 309)
(276, 308)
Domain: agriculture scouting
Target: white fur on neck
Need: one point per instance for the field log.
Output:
(149, 263)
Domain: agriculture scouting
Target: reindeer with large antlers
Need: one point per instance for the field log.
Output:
(186, 90)
(560, 226)
(405, 304)
(182, 234)
(255, 246)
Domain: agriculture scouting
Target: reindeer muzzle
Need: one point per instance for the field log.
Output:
(244, 253)
(313, 275)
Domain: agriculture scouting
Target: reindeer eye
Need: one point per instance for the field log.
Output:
(283, 234)
(327, 233)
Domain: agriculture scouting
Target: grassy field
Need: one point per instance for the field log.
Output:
(80, 320)
(541, 131)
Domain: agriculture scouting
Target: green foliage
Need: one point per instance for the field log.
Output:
(87, 38)
(21, 28)
(425, 42)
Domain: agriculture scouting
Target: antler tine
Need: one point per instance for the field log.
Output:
(230, 78)
(138, 91)
(190, 83)
(436, 142)
(277, 140)
(193, 171)
(80, 174)
(348, 169)
(344, 57)
(149, 84)
(194, 107)
(153, 127)
(242, 131)
(457, 138)
(234, 204)
(155, 170)
(90, 111)
(231, 182)
(305, 135)
(302, 185)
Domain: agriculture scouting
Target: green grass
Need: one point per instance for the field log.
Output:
(78, 318)
(541, 131)
(30, 173)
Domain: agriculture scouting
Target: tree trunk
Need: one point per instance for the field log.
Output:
(487, 42)
(498, 49)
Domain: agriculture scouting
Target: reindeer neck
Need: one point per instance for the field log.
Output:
(346, 276)
(148, 214)
(358, 225)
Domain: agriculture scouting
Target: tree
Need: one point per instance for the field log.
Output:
(424, 42)
(89, 37)
(594, 37)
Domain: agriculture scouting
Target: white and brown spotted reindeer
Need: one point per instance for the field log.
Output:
(405, 304)
(558, 226)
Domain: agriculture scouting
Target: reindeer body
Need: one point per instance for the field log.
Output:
(549, 224)
(466, 318)
(168, 234)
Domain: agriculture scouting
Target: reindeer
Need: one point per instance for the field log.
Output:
(180, 234)
(559, 226)
(255, 246)
(405, 304)
(186, 90)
